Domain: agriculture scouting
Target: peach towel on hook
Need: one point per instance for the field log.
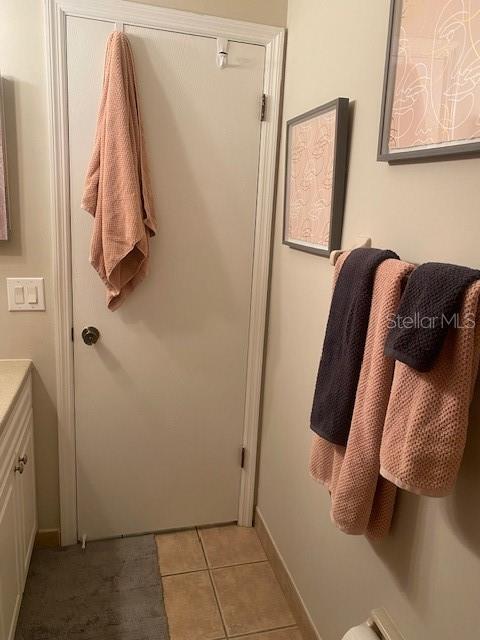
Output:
(362, 502)
(117, 187)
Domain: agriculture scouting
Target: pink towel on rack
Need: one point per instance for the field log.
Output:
(427, 417)
(363, 501)
(117, 187)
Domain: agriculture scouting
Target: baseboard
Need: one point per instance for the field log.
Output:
(47, 538)
(284, 577)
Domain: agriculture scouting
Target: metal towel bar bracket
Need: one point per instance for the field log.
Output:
(362, 241)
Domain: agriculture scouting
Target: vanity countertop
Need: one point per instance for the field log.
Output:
(12, 377)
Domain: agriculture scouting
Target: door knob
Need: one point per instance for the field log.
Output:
(19, 468)
(90, 335)
(23, 459)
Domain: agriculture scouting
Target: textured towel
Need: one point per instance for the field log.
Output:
(429, 306)
(344, 344)
(117, 188)
(326, 458)
(362, 501)
(427, 416)
(353, 502)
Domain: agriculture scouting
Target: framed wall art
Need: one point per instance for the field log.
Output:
(316, 158)
(431, 93)
(3, 173)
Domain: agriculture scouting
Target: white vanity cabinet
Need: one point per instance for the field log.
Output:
(18, 512)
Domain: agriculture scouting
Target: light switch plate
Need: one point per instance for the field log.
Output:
(32, 289)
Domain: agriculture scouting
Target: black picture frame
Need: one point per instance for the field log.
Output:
(341, 106)
(4, 218)
(422, 154)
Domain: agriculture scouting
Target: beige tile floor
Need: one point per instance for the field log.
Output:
(218, 584)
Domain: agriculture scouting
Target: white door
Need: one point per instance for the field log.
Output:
(159, 400)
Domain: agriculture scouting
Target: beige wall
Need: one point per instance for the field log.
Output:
(28, 253)
(272, 12)
(427, 574)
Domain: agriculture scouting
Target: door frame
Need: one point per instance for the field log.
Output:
(122, 13)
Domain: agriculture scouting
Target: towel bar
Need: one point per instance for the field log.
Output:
(362, 241)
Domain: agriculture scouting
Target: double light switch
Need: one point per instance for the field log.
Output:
(25, 294)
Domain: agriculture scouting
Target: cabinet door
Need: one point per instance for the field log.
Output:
(10, 573)
(26, 486)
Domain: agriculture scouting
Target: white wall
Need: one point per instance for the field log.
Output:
(427, 574)
(28, 252)
(263, 11)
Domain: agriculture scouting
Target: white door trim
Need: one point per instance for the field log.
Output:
(118, 11)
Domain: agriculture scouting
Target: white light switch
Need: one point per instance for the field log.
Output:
(32, 294)
(25, 294)
(19, 295)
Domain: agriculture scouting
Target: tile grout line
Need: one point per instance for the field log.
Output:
(183, 573)
(215, 595)
(206, 568)
(199, 537)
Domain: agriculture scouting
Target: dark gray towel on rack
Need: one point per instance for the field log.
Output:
(428, 308)
(344, 344)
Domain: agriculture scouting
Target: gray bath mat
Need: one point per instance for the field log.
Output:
(110, 591)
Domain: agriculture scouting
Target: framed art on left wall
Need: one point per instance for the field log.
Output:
(3, 173)
(315, 172)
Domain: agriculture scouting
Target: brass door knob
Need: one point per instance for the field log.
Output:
(90, 335)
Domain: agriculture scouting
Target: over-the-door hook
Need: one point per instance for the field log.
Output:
(222, 52)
